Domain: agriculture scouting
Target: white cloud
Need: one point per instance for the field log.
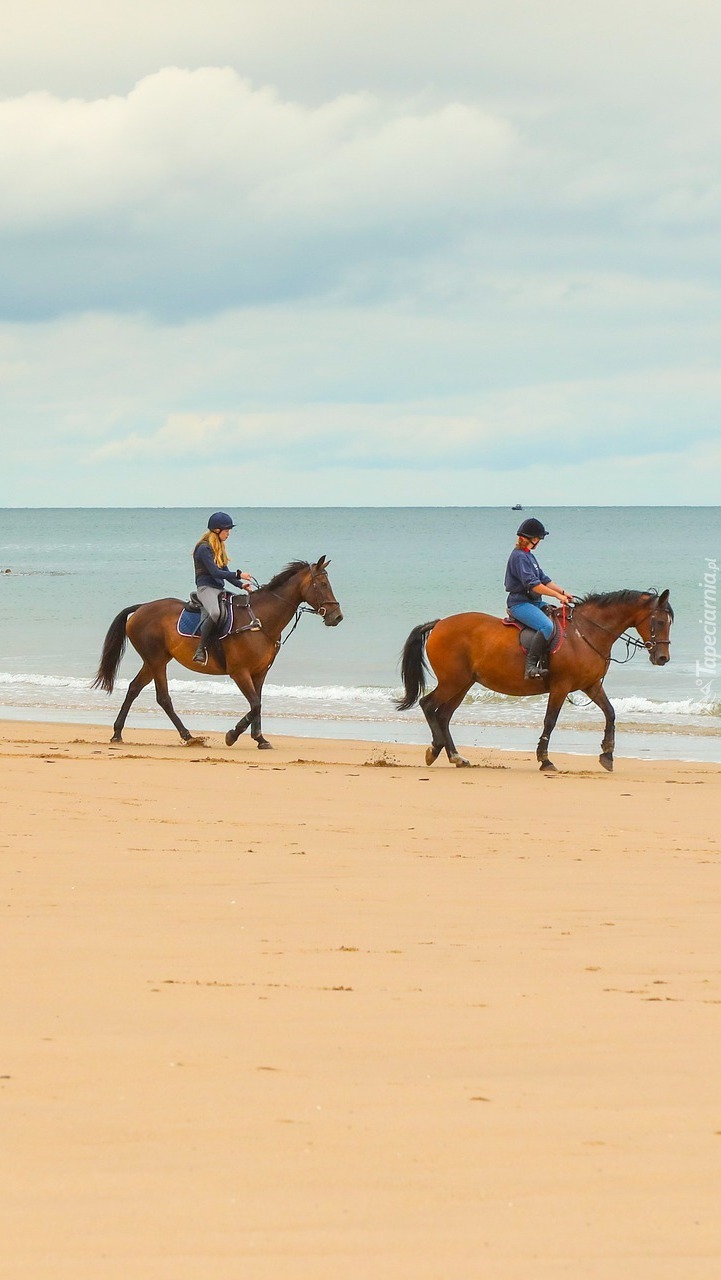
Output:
(571, 422)
(205, 147)
(409, 245)
(646, 52)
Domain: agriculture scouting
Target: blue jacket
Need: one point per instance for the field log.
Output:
(207, 572)
(523, 572)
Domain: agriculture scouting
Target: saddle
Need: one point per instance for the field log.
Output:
(192, 615)
(526, 634)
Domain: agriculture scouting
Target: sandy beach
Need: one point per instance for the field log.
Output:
(324, 1012)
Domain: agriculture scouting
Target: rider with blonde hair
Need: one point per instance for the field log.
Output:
(212, 575)
(526, 584)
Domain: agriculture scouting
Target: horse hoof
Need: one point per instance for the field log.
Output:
(547, 766)
(460, 762)
(195, 742)
(606, 759)
(431, 755)
(231, 738)
(117, 737)
(264, 745)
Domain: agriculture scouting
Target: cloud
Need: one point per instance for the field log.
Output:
(198, 190)
(567, 423)
(372, 388)
(387, 251)
(197, 184)
(313, 49)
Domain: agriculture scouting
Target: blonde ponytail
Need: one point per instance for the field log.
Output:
(217, 546)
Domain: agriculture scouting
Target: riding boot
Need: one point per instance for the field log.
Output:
(537, 657)
(206, 630)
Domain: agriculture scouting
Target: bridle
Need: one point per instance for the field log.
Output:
(632, 643)
(319, 609)
(323, 605)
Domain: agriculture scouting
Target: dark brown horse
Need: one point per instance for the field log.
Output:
(244, 655)
(475, 648)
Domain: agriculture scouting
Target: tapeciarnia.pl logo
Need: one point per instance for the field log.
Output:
(707, 670)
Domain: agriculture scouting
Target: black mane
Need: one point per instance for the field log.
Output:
(281, 578)
(624, 596)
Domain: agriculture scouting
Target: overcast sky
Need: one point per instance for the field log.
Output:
(268, 252)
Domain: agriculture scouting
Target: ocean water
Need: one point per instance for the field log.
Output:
(72, 570)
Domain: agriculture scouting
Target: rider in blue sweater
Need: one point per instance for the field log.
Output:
(526, 584)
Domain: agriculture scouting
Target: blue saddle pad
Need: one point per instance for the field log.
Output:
(189, 621)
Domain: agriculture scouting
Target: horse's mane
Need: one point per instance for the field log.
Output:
(281, 578)
(624, 596)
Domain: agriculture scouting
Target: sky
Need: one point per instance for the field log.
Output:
(341, 252)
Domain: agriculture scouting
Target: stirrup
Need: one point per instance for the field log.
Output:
(534, 670)
(201, 655)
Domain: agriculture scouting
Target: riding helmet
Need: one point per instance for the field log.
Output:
(220, 520)
(531, 528)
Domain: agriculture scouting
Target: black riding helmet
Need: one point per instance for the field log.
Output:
(220, 520)
(531, 528)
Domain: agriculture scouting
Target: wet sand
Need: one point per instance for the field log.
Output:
(324, 1012)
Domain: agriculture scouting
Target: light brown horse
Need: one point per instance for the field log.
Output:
(475, 648)
(244, 655)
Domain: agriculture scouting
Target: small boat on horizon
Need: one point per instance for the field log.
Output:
(517, 507)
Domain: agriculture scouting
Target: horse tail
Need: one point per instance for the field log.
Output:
(414, 667)
(113, 650)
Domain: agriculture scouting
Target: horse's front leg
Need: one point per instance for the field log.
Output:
(555, 702)
(598, 694)
(251, 692)
(232, 735)
(256, 731)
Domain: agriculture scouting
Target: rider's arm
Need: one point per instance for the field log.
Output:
(205, 557)
(552, 589)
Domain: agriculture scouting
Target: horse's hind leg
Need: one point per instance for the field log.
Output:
(427, 705)
(163, 699)
(135, 687)
(444, 713)
(598, 694)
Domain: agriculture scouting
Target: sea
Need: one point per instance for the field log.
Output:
(65, 573)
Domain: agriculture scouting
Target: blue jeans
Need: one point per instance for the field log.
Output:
(531, 616)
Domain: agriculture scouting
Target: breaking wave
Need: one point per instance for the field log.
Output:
(349, 702)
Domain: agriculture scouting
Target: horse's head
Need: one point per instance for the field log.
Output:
(654, 627)
(318, 593)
